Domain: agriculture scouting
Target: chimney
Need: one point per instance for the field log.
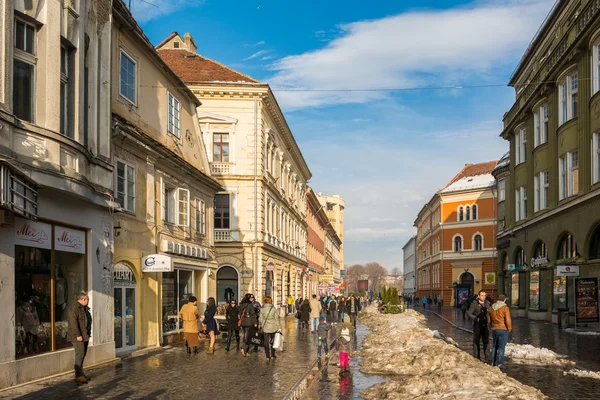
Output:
(189, 42)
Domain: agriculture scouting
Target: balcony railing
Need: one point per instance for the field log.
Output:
(222, 235)
(220, 168)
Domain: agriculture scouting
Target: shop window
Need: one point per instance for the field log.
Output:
(559, 292)
(177, 288)
(514, 301)
(595, 244)
(534, 290)
(567, 248)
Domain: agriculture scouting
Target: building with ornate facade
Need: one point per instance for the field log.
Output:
(456, 237)
(334, 207)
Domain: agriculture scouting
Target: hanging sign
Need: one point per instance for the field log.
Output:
(567, 270)
(586, 300)
(33, 234)
(69, 240)
(157, 263)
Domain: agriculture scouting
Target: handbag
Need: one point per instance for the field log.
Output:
(255, 337)
(298, 314)
(278, 341)
(241, 317)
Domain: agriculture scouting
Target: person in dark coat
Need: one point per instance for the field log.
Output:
(211, 324)
(305, 313)
(341, 309)
(352, 309)
(232, 315)
(248, 319)
(79, 332)
(478, 313)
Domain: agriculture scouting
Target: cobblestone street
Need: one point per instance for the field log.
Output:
(173, 374)
(551, 380)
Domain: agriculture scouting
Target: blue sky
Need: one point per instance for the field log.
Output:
(384, 152)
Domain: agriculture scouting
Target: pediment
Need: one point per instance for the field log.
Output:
(215, 118)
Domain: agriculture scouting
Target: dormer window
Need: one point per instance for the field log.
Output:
(175, 45)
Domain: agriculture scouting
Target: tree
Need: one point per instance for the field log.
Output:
(395, 300)
(395, 271)
(375, 272)
(351, 276)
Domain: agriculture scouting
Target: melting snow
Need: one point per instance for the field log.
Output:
(471, 182)
(588, 333)
(583, 374)
(528, 354)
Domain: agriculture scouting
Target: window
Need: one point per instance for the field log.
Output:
(477, 242)
(174, 116)
(24, 65)
(65, 102)
(519, 258)
(128, 85)
(125, 186)
(474, 211)
(596, 68)
(222, 211)
(596, 158)
(183, 212)
(568, 98)
(175, 45)
(221, 147)
(568, 170)
(540, 185)
(567, 248)
(594, 253)
(540, 121)
(461, 213)
(200, 217)
(457, 244)
(521, 146)
(176, 205)
(521, 203)
(540, 250)
(468, 213)
(501, 190)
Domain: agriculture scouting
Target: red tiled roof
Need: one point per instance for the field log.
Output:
(474, 170)
(194, 68)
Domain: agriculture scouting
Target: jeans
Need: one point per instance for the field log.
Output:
(322, 342)
(353, 319)
(289, 308)
(269, 338)
(341, 317)
(314, 324)
(80, 352)
(500, 339)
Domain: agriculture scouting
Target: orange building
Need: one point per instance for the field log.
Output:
(456, 237)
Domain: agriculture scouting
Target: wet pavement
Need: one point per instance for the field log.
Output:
(551, 380)
(329, 384)
(173, 374)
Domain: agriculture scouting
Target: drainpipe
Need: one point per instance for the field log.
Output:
(255, 252)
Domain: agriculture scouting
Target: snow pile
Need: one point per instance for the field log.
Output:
(528, 354)
(584, 333)
(421, 366)
(583, 374)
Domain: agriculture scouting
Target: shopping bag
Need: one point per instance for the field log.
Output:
(278, 342)
(255, 337)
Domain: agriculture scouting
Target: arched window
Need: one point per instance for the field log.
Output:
(457, 244)
(540, 250)
(468, 213)
(474, 211)
(519, 258)
(477, 242)
(461, 213)
(567, 248)
(595, 244)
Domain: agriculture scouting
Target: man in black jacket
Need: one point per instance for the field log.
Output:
(79, 332)
(333, 311)
(478, 312)
(352, 308)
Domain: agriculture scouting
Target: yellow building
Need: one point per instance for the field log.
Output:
(334, 208)
(163, 231)
(260, 220)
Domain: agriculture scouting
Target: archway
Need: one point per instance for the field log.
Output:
(227, 284)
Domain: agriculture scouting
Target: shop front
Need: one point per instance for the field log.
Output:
(125, 306)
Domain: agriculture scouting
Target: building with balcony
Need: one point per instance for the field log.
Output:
(260, 215)
(409, 256)
(334, 208)
(56, 183)
(456, 237)
(164, 242)
(549, 185)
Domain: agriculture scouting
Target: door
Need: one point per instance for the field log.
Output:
(125, 308)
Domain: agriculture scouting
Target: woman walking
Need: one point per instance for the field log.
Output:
(342, 309)
(247, 320)
(305, 313)
(269, 323)
(189, 314)
(232, 315)
(210, 323)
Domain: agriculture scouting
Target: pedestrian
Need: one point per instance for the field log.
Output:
(210, 323)
(232, 315)
(315, 313)
(352, 308)
(298, 302)
(344, 348)
(248, 319)
(429, 301)
(435, 299)
(290, 304)
(341, 309)
(269, 324)
(189, 314)
(424, 301)
(333, 311)
(499, 319)
(479, 314)
(440, 302)
(464, 306)
(79, 331)
(305, 313)
(323, 332)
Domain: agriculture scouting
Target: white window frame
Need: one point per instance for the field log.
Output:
(135, 84)
(540, 125)
(540, 191)
(200, 217)
(29, 59)
(462, 243)
(566, 97)
(521, 203)
(474, 212)
(568, 169)
(596, 66)
(174, 112)
(521, 145)
(172, 215)
(64, 87)
(501, 190)
(183, 218)
(126, 206)
(573, 171)
(596, 158)
(473, 241)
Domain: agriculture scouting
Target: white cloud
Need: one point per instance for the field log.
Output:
(257, 54)
(367, 234)
(144, 11)
(381, 219)
(411, 49)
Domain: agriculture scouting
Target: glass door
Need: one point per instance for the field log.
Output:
(118, 317)
(124, 318)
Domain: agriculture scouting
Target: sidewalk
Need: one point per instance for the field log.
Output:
(173, 374)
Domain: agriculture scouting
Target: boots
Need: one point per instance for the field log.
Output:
(228, 342)
(196, 350)
(476, 351)
(189, 351)
(485, 355)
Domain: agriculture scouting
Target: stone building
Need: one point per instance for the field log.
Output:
(56, 183)
(456, 237)
(409, 256)
(549, 183)
(334, 208)
(164, 242)
(260, 216)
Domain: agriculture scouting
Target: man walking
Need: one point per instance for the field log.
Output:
(352, 308)
(479, 314)
(290, 303)
(499, 318)
(79, 332)
(315, 313)
(333, 311)
(298, 302)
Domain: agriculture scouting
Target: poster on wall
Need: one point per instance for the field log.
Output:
(586, 300)
(462, 295)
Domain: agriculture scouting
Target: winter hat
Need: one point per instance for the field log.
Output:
(321, 319)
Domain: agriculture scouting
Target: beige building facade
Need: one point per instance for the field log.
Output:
(260, 215)
(334, 208)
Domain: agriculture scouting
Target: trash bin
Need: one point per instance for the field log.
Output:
(563, 318)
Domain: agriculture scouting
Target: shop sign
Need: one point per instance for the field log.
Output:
(270, 267)
(157, 263)
(123, 275)
(512, 267)
(33, 234)
(323, 285)
(325, 278)
(539, 262)
(567, 270)
(490, 278)
(69, 240)
(586, 300)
